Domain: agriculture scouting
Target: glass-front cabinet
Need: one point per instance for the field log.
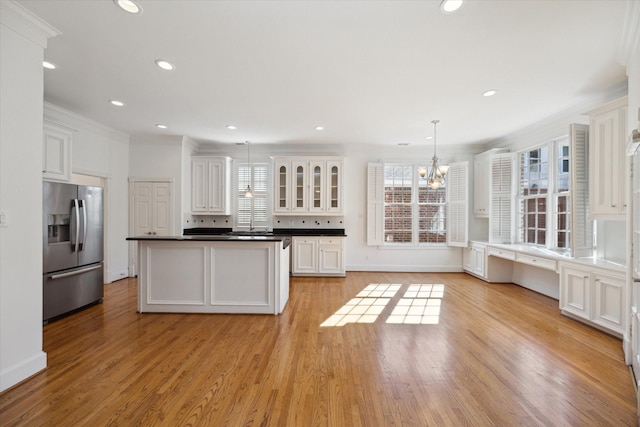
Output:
(300, 186)
(311, 185)
(282, 190)
(334, 186)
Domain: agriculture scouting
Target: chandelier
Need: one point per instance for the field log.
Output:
(434, 173)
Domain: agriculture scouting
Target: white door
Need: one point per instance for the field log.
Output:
(150, 213)
(152, 208)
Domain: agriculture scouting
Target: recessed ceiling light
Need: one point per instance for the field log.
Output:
(49, 65)
(231, 127)
(129, 6)
(489, 92)
(450, 6)
(319, 127)
(161, 126)
(116, 103)
(165, 65)
(429, 137)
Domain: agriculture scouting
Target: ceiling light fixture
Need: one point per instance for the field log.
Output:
(450, 6)
(319, 127)
(489, 92)
(165, 65)
(116, 103)
(161, 126)
(231, 127)
(129, 6)
(435, 173)
(49, 65)
(248, 193)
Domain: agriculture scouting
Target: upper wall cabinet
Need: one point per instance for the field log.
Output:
(482, 182)
(56, 159)
(607, 171)
(308, 186)
(210, 185)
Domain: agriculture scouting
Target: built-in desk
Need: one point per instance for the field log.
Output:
(588, 289)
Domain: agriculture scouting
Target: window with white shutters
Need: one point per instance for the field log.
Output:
(403, 210)
(252, 211)
(553, 194)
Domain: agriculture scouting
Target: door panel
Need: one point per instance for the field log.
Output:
(93, 244)
(58, 227)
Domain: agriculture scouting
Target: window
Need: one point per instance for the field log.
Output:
(543, 195)
(252, 211)
(414, 213)
(562, 207)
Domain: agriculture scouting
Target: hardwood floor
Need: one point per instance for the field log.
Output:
(489, 355)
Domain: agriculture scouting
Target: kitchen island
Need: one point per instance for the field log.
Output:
(213, 274)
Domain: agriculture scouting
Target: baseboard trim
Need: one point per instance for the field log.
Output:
(407, 268)
(23, 371)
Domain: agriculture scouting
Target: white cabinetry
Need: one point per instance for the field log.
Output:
(210, 180)
(482, 182)
(56, 160)
(308, 186)
(607, 171)
(594, 295)
(473, 259)
(318, 256)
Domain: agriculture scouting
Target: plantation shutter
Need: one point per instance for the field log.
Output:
(252, 211)
(581, 228)
(458, 204)
(375, 204)
(501, 197)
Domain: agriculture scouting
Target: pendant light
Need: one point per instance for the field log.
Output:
(436, 172)
(248, 193)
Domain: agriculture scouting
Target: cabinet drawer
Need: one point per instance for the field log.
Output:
(549, 264)
(502, 253)
(330, 241)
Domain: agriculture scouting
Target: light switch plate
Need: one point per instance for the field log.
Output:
(4, 219)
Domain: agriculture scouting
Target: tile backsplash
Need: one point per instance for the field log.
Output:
(213, 221)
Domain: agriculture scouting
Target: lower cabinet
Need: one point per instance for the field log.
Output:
(594, 295)
(473, 259)
(318, 256)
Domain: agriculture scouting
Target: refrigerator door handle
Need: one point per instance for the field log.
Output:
(73, 273)
(84, 223)
(75, 244)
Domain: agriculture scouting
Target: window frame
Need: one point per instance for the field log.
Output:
(415, 208)
(259, 192)
(551, 198)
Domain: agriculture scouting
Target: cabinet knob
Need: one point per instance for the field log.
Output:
(613, 205)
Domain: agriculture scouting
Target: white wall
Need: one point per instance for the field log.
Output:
(103, 152)
(23, 38)
(159, 157)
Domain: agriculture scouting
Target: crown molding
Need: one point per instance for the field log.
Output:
(630, 32)
(60, 116)
(15, 16)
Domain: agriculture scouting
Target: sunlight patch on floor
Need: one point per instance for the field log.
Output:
(366, 307)
(420, 305)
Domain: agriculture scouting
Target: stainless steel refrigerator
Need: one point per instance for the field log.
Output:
(72, 247)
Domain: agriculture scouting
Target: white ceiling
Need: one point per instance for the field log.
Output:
(374, 72)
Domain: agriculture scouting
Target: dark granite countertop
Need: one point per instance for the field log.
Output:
(216, 238)
(223, 232)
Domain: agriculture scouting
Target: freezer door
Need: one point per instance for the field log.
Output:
(59, 226)
(68, 290)
(90, 236)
